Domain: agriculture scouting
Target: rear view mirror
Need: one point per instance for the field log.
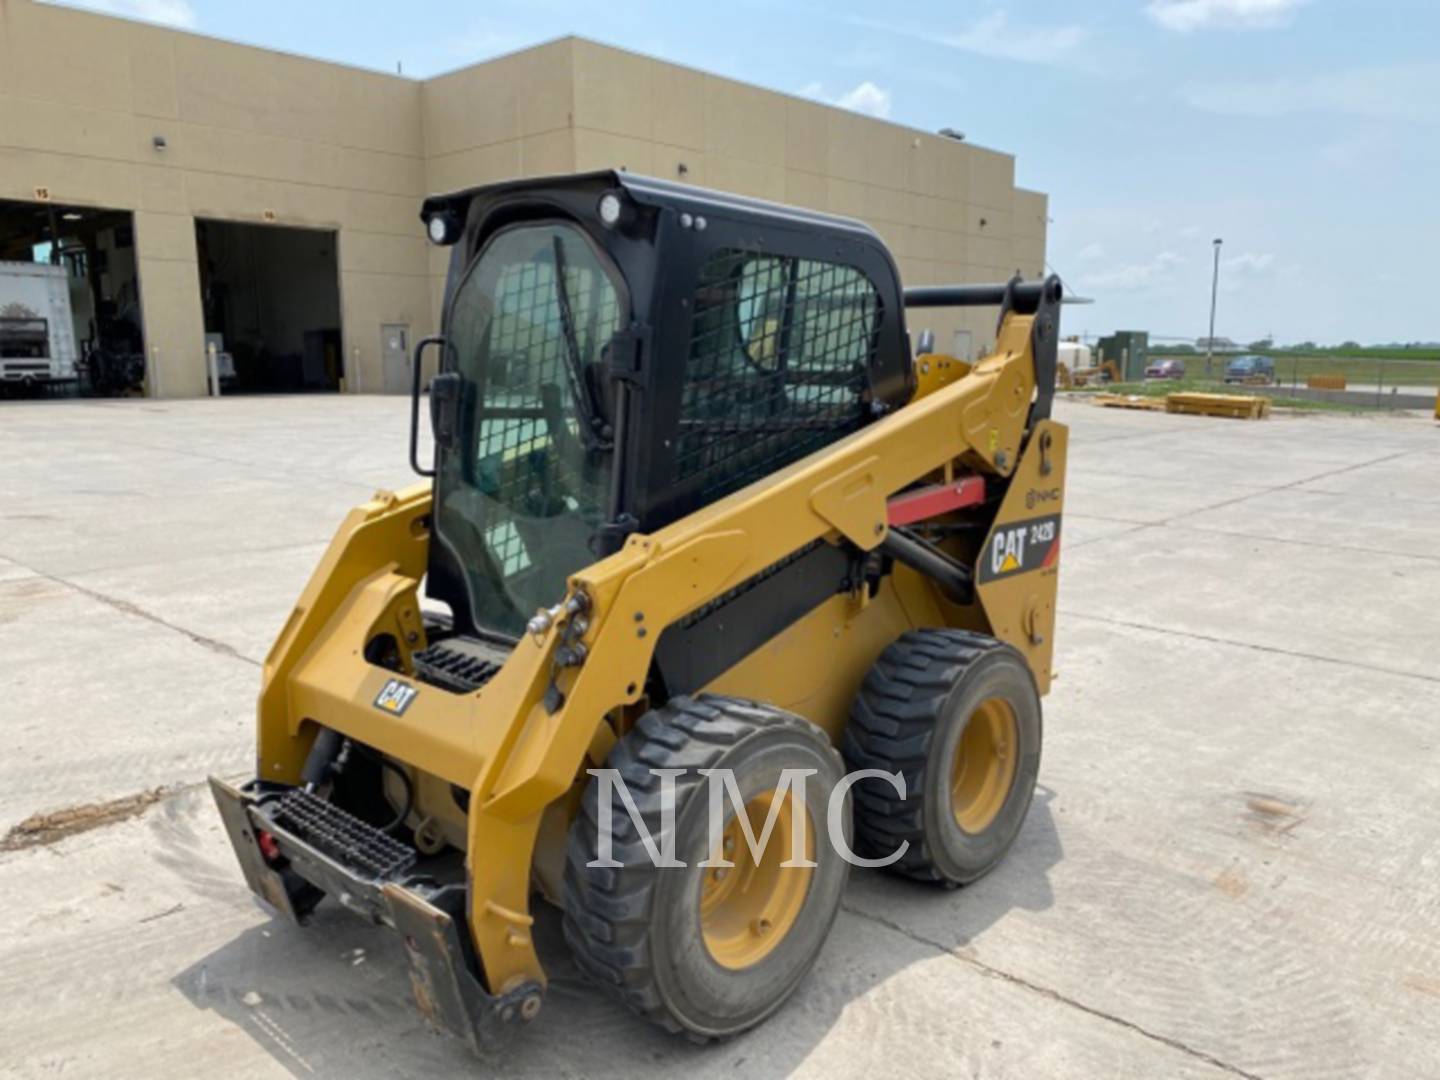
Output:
(445, 391)
(417, 365)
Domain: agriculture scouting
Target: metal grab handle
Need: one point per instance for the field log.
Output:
(418, 357)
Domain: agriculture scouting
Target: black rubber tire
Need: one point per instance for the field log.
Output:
(908, 718)
(635, 929)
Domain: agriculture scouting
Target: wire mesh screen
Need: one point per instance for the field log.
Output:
(532, 351)
(779, 354)
(522, 462)
(512, 465)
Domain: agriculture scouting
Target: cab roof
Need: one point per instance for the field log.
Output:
(654, 192)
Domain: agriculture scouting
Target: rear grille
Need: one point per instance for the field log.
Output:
(454, 669)
(342, 836)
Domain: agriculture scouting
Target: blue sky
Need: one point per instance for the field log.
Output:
(1306, 133)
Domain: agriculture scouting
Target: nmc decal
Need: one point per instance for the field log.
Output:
(1021, 547)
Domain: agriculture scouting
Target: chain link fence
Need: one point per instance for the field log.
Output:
(1362, 381)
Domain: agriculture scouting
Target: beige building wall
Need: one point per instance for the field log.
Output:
(251, 135)
(258, 136)
(506, 118)
(947, 210)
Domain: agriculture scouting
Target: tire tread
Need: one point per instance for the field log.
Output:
(608, 911)
(893, 726)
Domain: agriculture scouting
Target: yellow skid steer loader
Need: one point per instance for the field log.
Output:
(697, 524)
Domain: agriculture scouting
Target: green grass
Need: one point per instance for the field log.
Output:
(1416, 367)
(1363, 352)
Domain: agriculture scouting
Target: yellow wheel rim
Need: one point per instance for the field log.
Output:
(747, 909)
(984, 766)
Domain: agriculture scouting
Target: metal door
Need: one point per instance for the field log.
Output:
(395, 353)
(961, 347)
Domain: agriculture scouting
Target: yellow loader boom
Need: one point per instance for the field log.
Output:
(694, 506)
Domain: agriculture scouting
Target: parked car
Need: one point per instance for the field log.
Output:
(1250, 369)
(1166, 369)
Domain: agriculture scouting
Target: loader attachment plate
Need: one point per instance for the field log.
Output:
(291, 872)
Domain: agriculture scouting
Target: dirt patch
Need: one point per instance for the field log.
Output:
(1273, 813)
(40, 829)
(1423, 985)
(1232, 882)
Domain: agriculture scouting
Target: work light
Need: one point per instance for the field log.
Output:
(610, 209)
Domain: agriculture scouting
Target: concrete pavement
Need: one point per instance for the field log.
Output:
(1232, 866)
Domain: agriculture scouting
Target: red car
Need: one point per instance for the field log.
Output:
(1166, 369)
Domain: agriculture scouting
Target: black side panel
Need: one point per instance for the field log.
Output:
(714, 638)
(1045, 345)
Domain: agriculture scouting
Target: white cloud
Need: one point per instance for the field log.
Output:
(1091, 253)
(1133, 277)
(1399, 90)
(1184, 16)
(480, 41)
(1240, 272)
(1367, 149)
(993, 36)
(168, 12)
(1190, 232)
(1248, 264)
(865, 98)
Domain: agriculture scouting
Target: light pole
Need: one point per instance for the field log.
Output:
(1214, 289)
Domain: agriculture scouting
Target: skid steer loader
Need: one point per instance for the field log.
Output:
(694, 510)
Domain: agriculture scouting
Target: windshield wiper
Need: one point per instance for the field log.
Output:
(585, 404)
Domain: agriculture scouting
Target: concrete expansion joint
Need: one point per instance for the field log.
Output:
(1055, 995)
(1260, 537)
(1212, 639)
(125, 607)
(1290, 485)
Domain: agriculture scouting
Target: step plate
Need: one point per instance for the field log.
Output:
(341, 835)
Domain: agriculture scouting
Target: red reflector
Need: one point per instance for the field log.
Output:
(268, 847)
(929, 502)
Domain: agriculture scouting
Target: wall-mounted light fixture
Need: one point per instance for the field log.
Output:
(158, 142)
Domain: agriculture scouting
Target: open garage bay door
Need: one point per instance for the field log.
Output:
(271, 297)
(70, 318)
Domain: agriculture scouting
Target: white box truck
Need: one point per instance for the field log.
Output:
(37, 331)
